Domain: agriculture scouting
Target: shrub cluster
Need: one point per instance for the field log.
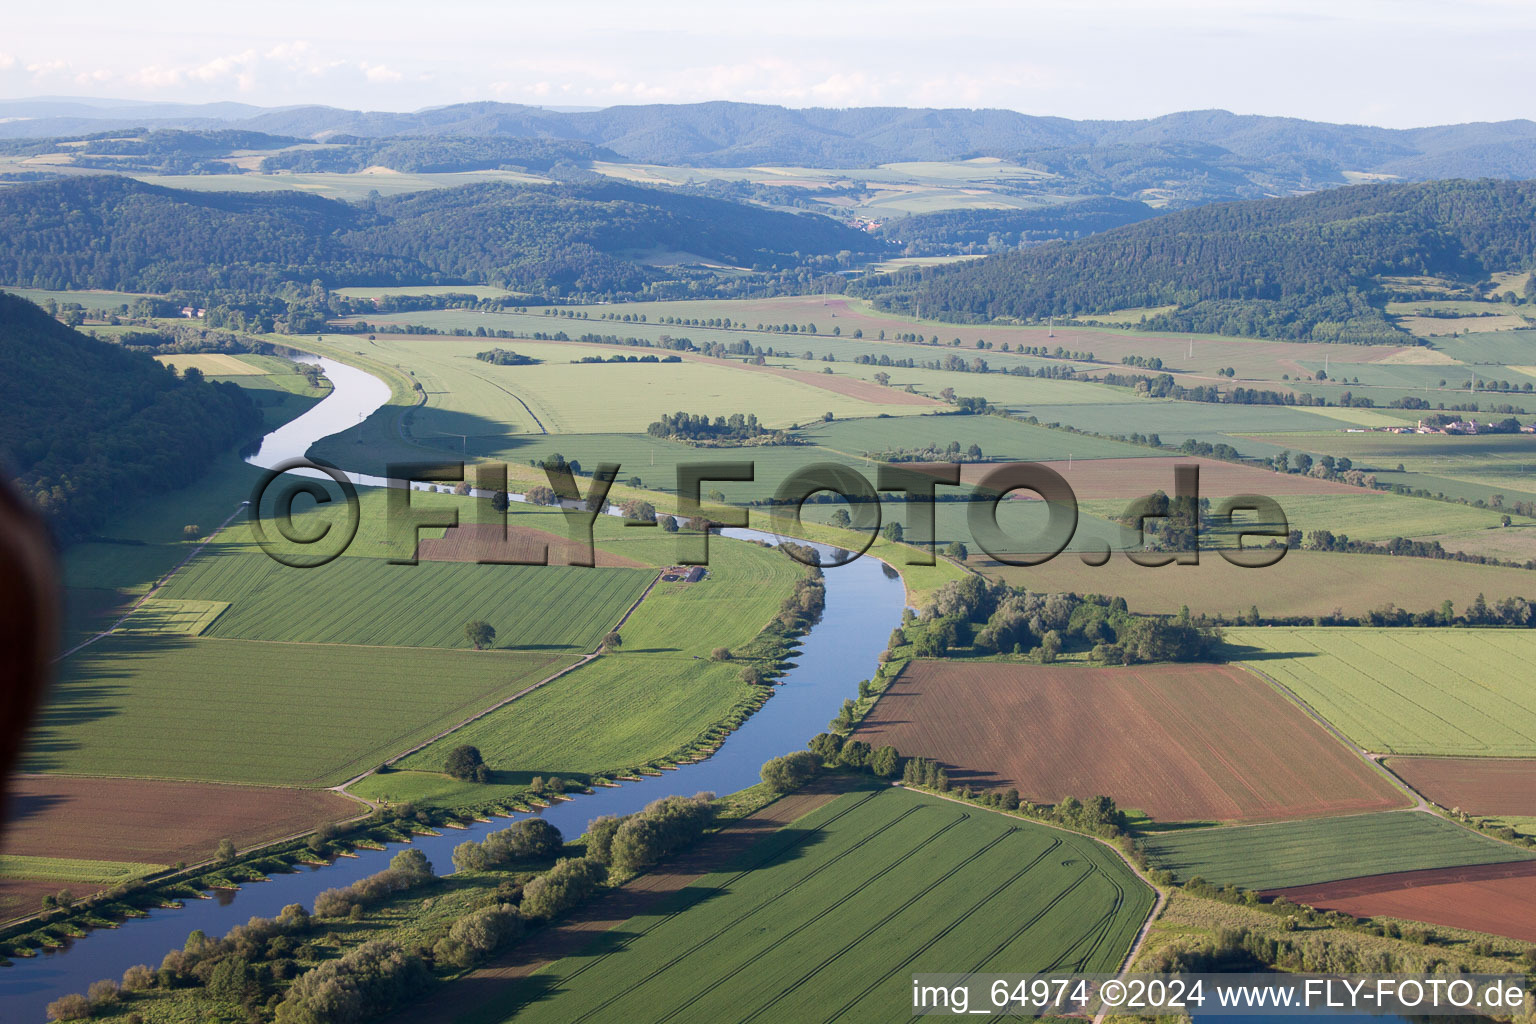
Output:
(531, 839)
(408, 869)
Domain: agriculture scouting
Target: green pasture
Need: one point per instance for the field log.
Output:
(346, 187)
(1407, 691)
(617, 711)
(371, 602)
(830, 916)
(177, 618)
(1363, 516)
(68, 869)
(479, 291)
(1283, 854)
(1311, 583)
(1505, 348)
(1497, 462)
(261, 713)
(743, 589)
(995, 436)
(106, 301)
(468, 396)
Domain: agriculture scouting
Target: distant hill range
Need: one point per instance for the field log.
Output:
(604, 238)
(1317, 267)
(1277, 153)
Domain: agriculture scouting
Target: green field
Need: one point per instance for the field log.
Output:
(743, 589)
(262, 713)
(479, 291)
(1408, 691)
(103, 300)
(830, 917)
(346, 187)
(995, 436)
(1372, 517)
(467, 396)
(1498, 461)
(68, 869)
(1283, 854)
(180, 618)
(613, 713)
(658, 693)
(369, 601)
(1313, 583)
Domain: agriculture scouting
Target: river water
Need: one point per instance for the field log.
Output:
(864, 602)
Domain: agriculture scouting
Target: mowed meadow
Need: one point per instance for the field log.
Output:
(1354, 583)
(1407, 691)
(659, 690)
(261, 712)
(832, 915)
(1286, 854)
(372, 602)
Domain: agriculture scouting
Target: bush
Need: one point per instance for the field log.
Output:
(472, 937)
(790, 772)
(103, 993)
(720, 654)
(71, 1007)
(855, 754)
(600, 833)
(826, 745)
(465, 764)
(409, 868)
(361, 985)
(413, 864)
(885, 762)
(138, 977)
(664, 827)
(568, 884)
(528, 839)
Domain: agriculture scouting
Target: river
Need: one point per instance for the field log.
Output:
(864, 602)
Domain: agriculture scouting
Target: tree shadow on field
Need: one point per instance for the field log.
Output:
(92, 685)
(31, 805)
(1229, 651)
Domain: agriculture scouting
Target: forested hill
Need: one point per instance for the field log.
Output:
(87, 427)
(1301, 268)
(116, 233)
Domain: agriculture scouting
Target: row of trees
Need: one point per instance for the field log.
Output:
(980, 616)
(700, 427)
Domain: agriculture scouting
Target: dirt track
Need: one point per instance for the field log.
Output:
(495, 980)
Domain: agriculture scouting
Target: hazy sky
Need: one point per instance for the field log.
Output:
(1398, 63)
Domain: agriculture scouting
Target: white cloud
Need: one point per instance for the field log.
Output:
(1093, 58)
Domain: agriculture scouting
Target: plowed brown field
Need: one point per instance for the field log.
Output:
(151, 822)
(1179, 742)
(1477, 785)
(1499, 899)
(475, 542)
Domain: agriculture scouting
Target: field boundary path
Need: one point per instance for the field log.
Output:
(584, 659)
(474, 991)
(155, 586)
